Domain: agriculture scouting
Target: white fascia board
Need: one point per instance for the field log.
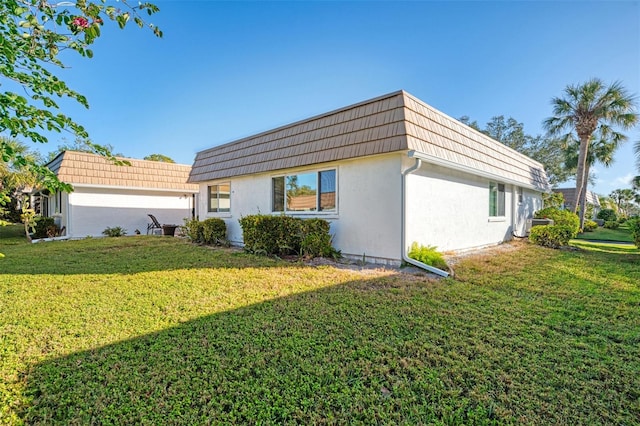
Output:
(460, 167)
(134, 188)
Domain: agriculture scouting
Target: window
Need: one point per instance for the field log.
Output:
(220, 198)
(519, 194)
(58, 204)
(496, 199)
(305, 192)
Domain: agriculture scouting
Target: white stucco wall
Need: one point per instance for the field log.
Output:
(91, 210)
(367, 221)
(449, 209)
(445, 208)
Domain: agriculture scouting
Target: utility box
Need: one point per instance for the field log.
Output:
(537, 222)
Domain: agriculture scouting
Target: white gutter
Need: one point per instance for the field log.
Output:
(405, 256)
(460, 167)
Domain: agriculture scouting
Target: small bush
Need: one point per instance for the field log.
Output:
(214, 231)
(44, 227)
(634, 226)
(427, 255)
(607, 215)
(283, 235)
(611, 224)
(116, 231)
(316, 240)
(553, 236)
(589, 226)
(209, 231)
(560, 217)
(192, 228)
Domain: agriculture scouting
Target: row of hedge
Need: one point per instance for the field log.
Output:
(285, 235)
(269, 235)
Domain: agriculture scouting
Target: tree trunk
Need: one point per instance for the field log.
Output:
(580, 176)
(583, 196)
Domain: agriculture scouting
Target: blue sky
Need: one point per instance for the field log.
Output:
(225, 70)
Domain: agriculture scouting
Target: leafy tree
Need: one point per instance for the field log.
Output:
(85, 145)
(16, 175)
(586, 111)
(473, 124)
(32, 35)
(546, 150)
(159, 157)
(553, 200)
(624, 199)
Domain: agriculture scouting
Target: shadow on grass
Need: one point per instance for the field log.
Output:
(606, 247)
(373, 351)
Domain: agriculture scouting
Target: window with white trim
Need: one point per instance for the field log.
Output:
(496, 199)
(219, 198)
(304, 192)
(58, 203)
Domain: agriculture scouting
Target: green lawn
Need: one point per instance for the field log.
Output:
(153, 330)
(603, 234)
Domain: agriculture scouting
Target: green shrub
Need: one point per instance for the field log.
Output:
(192, 228)
(44, 227)
(214, 231)
(607, 215)
(209, 231)
(427, 255)
(589, 226)
(611, 224)
(634, 226)
(282, 235)
(552, 236)
(116, 231)
(560, 217)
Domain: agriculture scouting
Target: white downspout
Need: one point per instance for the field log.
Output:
(405, 256)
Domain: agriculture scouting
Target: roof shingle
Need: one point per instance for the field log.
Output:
(390, 123)
(83, 168)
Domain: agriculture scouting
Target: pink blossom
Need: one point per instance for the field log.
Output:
(80, 22)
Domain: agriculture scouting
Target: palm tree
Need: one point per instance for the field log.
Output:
(584, 110)
(601, 150)
(636, 180)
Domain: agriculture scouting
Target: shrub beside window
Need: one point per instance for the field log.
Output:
(212, 231)
(285, 235)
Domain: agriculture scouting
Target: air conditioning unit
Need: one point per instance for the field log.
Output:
(536, 222)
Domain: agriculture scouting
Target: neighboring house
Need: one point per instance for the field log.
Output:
(384, 172)
(107, 195)
(569, 195)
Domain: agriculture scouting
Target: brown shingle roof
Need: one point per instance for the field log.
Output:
(570, 196)
(82, 168)
(390, 123)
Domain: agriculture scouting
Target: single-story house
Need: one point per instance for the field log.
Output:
(109, 195)
(384, 172)
(569, 195)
